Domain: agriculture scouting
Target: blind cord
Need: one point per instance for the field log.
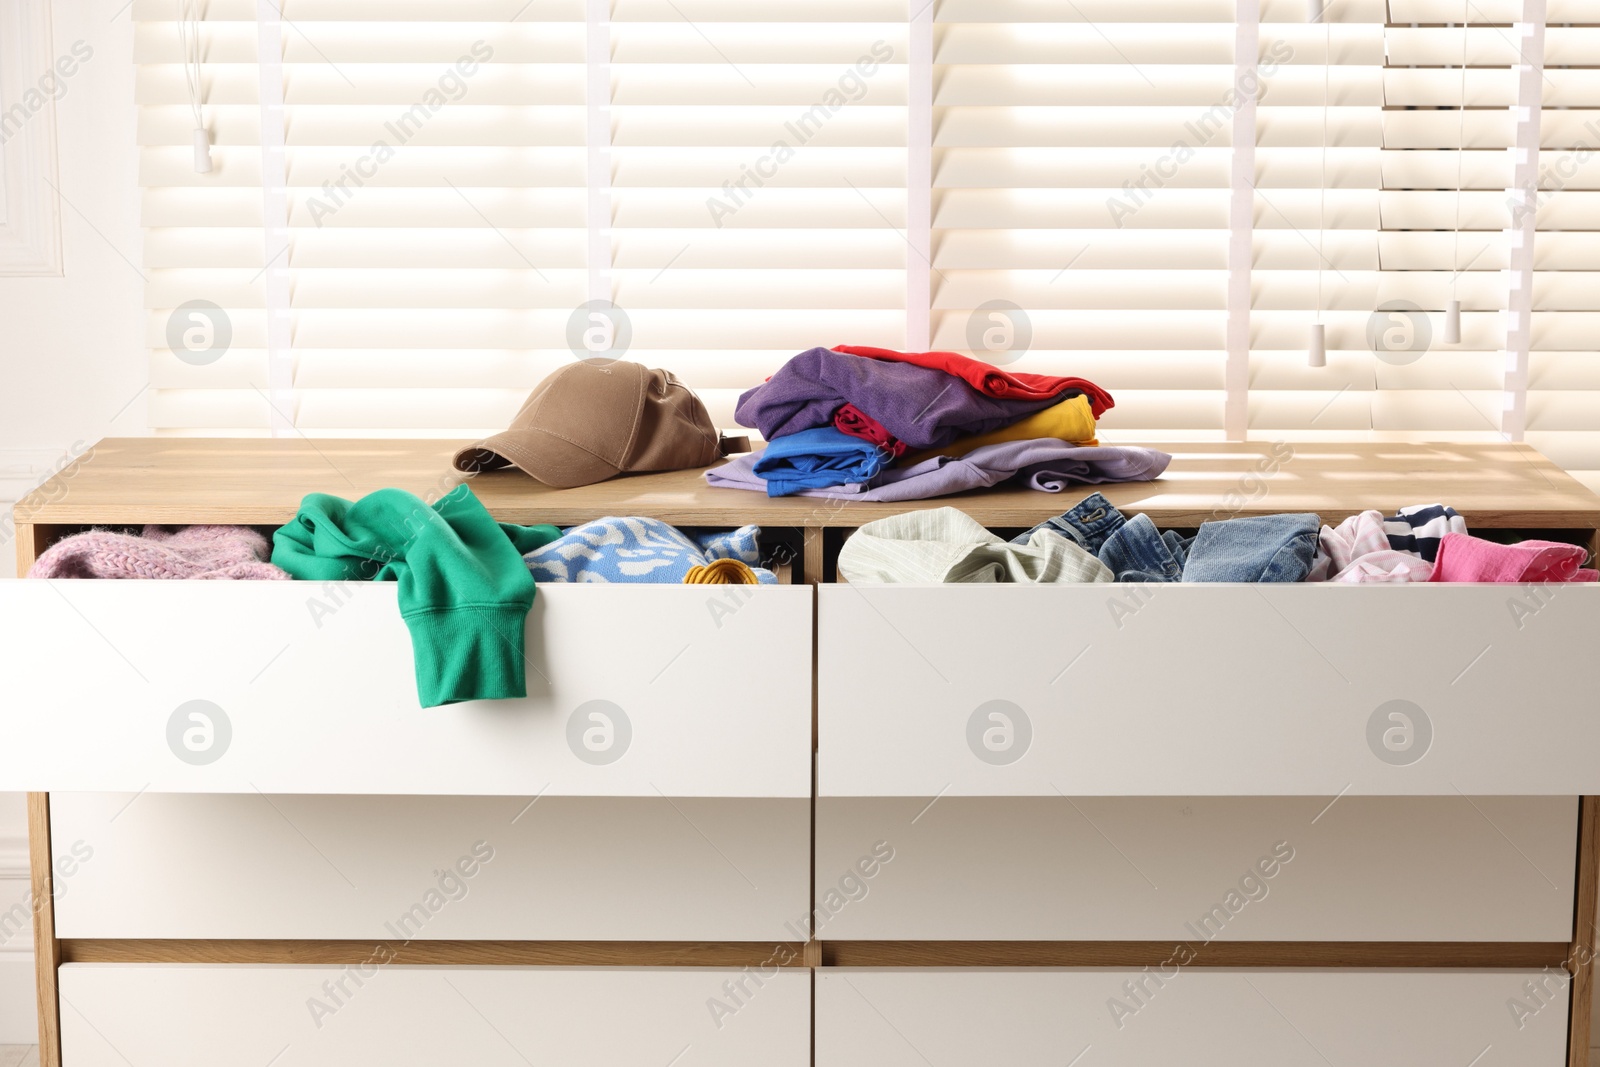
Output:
(1322, 202)
(1317, 343)
(1461, 153)
(1452, 314)
(189, 42)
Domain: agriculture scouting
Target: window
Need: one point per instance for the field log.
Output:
(1161, 195)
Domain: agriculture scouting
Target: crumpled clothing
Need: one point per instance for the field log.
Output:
(206, 552)
(1134, 549)
(1464, 558)
(1256, 548)
(463, 592)
(857, 423)
(640, 550)
(1419, 528)
(947, 545)
(1359, 550)
(1048, 466)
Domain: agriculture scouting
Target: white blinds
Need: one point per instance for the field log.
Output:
(1061, 190)
(435, 170)
(437, 173)
(1055, 187)
(1450, 92)
(1316, 220)
(759, 182)
(1563, 399)
(1486, 106)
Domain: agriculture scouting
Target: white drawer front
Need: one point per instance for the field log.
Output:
(1197, 869)
(186, 1015)
(633, 691)
(1165, 690)
(1199, 1018)
(396, 868)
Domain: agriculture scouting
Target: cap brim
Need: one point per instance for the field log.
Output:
(540, 455)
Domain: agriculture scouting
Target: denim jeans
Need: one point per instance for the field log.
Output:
(1260, 548)
(1133, 548)
(1141, 553)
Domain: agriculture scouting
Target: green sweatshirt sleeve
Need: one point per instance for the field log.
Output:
(464, 590)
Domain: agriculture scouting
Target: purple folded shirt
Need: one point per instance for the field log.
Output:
(1047, 464)
(921, 406)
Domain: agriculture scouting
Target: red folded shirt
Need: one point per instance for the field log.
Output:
(989, 379)
(857, 423)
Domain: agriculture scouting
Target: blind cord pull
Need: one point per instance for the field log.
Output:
(1317, 345)
(189, 42)
(1452, 314)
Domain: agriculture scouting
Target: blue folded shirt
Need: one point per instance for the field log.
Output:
(817, 459)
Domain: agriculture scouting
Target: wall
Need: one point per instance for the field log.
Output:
(72, 356)
(73, 360)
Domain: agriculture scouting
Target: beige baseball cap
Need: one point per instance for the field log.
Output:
(595, 419)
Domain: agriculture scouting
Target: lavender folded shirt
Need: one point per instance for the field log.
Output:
(1047, 465)
(921, 406)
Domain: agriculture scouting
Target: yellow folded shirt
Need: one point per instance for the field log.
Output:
(1071, 420)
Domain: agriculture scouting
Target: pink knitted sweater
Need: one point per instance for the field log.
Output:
(160, 552)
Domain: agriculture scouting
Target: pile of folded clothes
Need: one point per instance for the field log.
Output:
(873, 424)
(1094, 542)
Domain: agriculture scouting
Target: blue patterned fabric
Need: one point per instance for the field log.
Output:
(640, 550)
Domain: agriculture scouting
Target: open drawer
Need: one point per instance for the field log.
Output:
(291, 687)
(1224, 690)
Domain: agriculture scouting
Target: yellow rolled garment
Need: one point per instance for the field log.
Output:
(1071, 420)
(722, 572)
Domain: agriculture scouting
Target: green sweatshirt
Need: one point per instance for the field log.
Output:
(464, 590)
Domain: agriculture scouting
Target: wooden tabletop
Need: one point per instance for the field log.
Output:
(260, 481)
